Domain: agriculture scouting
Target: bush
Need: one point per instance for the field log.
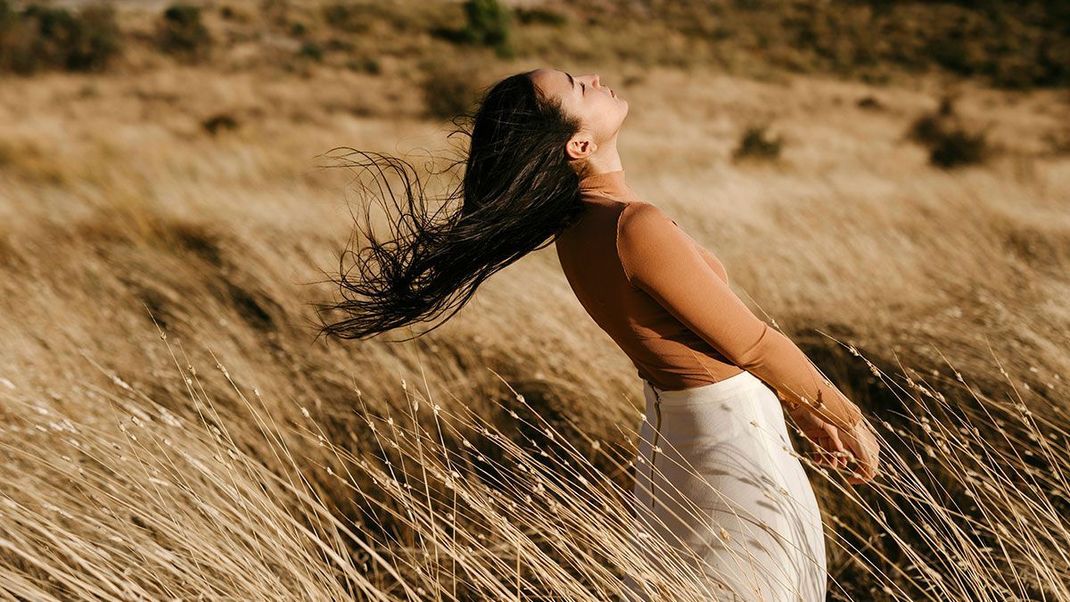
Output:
(311, 50)
(448, 92)
(756, 144)
(925, 129)
(219, 122)
(488, 24)
(235, 14)
(950, 142)
(928, 128)
(870, 103)
(367, 64)
(42, 37)
(95, 39)
(181, 32)
(346, 17)
(540, 16)
(958, 147)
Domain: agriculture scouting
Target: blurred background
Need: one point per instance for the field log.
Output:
(890, 178)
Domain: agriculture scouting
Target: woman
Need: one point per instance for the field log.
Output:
(715, 474)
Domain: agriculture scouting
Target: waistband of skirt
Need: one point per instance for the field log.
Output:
(720, 390)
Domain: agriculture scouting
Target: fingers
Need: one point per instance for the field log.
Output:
(834, 436)
(866, 470)
(836, 456)
(820, 454)
(857, 478)
(836, 445)
(834, 448)
(831, 452)
(861, 474)
(864, 451)
(821, 458)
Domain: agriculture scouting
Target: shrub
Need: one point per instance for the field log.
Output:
(181, 32)
(44, 37)
(757, 144)
(448, 91)
(219, 122)
(950, 142)
(366, 64)
(929, 128)
(926, 129)
(235, 14)
(488, 23)
(957, 147)
(540, 16)
(344, 16)
(870, 103)
(95, 39)
(311, 50)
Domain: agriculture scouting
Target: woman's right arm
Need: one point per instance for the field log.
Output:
(659, 259)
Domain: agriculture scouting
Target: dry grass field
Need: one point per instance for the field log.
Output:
(172, 429)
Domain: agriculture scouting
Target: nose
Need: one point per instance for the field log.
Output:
(596, 80)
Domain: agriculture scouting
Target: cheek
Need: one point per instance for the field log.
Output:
(609, 116)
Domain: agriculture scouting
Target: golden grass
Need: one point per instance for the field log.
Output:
(451, 504)
(131, 470)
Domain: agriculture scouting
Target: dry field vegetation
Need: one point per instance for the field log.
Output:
(171, 428)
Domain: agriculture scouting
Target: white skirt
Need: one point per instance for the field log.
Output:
(715, 477)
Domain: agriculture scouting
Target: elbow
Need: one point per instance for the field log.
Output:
(753, 356)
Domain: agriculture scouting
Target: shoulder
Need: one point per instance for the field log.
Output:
(639, 217)
(644, 234)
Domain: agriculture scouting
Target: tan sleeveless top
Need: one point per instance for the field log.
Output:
(665, 301)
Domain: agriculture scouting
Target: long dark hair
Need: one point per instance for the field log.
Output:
(518, 193)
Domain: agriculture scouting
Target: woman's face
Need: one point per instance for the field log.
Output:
(598, 108)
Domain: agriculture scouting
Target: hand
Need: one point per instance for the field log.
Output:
(839, 448)
(862, 444)
(831, 451)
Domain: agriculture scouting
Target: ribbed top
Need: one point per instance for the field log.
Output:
(665, 300)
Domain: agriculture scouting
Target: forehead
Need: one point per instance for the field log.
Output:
(552, 81)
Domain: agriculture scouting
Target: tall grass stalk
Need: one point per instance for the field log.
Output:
(970, 505)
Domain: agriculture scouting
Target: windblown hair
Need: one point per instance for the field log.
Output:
(517, 194)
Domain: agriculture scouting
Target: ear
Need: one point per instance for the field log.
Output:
(580, 146)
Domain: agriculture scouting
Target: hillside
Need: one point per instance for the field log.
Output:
(175, 187)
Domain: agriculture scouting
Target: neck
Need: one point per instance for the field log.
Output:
(604, 180)
(604, 160)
